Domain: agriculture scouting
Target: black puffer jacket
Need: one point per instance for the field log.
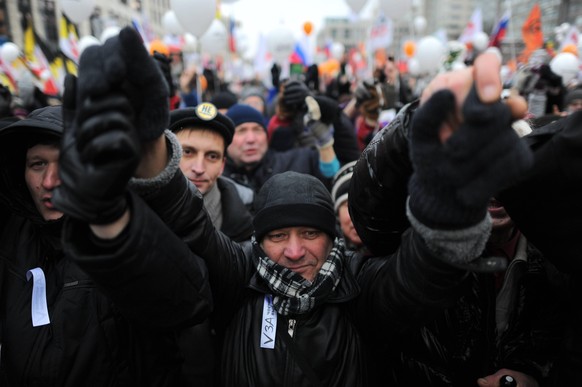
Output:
(462, 343)
(114, 308)
(377, 302)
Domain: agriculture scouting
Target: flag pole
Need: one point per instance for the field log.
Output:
(513, 52)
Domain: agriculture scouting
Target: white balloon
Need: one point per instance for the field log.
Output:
(430, 53)
(419, 24)
(413, 67)
(171, 23)
(190, 43)
(195, 16)
(109, 32)
(214, 41)
(280, 43)
(337, 50)
(566, 65)
(87, 41)
(9, 52)
(356, 5)
(480, 41)
(78, 10)
(395, 9)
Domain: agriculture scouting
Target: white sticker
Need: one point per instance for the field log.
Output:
(39, 308)
(269, 323)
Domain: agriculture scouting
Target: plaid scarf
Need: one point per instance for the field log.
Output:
(293, 294)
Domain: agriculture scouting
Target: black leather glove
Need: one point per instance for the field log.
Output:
(99, 153)
(453, 181)
(123, 63)
(276, 76)
(294, 95)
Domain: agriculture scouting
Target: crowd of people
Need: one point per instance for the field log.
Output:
(289, 237)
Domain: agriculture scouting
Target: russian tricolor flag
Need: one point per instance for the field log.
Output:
(499, 30)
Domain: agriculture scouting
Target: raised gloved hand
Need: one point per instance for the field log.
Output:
(363, 91)
(122, 63)
(329, 108)
(322, 132)
(454, 178)
(99, 153)
(276, 75)
(294, 94)
(312, 77)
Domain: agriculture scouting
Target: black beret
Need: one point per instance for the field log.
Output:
(204, 116)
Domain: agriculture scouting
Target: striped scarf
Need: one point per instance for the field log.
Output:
(293, 294)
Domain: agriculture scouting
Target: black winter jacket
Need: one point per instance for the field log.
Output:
(377, 302)
(462, 343)
(114, 315)
(239, 222)
(115, 307)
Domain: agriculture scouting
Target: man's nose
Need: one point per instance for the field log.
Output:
(51, 178)
(294, 249)
(198, 165)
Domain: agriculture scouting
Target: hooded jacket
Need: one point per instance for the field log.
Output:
(114, 306)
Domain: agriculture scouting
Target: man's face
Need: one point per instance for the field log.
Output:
(301, 249)
(390, 71)
(249, 144)
(41, 174)
(346, 224)
(202, 157)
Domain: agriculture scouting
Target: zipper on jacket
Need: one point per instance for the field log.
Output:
(291, 326)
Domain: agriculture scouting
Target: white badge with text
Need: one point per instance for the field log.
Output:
(269, 323)
(39, 308)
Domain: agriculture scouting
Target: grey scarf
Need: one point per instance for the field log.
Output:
(293, 294)
(212, 203)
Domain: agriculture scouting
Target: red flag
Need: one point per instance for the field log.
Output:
(531, 32)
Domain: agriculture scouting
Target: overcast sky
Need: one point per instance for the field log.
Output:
(262, 16)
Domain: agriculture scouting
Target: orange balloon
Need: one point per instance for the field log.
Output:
(308, 27)
(409, 48)
(159, 46)
(571, 48)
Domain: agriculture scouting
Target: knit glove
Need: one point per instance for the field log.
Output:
(100, 151)
(164, 63)
(453, 181)
(322, 132)
(123, 64)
